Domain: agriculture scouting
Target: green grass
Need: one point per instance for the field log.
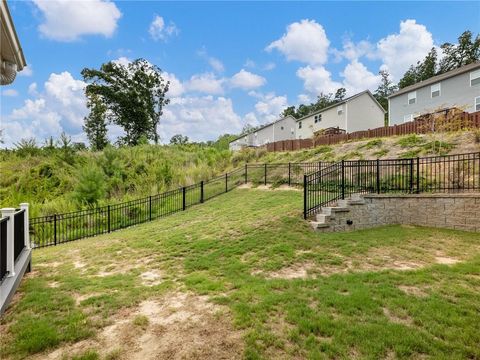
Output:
(352, 304)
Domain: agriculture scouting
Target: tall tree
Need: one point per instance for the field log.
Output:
(384, 90)
(465, 52)
(340, 94)
(178, 140)
(95, 124)
(134, 96)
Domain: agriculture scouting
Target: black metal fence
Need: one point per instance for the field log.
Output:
(18, 233)
(453, 173)
(288, 173)
(60, 228)
(3, 247)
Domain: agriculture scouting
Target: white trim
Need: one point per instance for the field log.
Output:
(412, 95)
(346, 117)
(389, 112)
(475, 73)
(432, 90)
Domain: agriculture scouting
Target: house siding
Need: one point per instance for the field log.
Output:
(330, 118)
(363, 113)
(455, 92)
(283, 129)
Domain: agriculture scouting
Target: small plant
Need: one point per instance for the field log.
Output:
(410, 154)
(476, 136)
(438, 147)
(380, 153)
(141, 321)
(371, 144)
(352, 155)
(410, 141)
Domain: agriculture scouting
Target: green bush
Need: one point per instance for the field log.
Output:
(410, 141)
(90, 188)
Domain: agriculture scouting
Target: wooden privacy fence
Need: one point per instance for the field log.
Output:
(438, 122)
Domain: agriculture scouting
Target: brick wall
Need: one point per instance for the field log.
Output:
(452, 211)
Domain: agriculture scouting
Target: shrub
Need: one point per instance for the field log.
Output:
(438, 147)
(91, 185)
(380, 153)
(476, 136)
(371, 144)
(410, 141)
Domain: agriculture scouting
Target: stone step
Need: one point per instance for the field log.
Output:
(323, 218)
(317, 225)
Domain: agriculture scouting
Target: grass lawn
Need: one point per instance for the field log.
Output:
(243, 276)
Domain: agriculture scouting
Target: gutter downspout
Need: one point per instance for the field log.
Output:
(8, 72)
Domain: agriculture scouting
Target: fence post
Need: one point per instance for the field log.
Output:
(201, 192)
(265, 174)
(150, 207)
(8, 212)
(55, 229)
(305, 197)
(226, 182)
(108, 218)
(411, 175)
(289, 174)
(378, 176)
(418, 175)
(24, 206)
(184, 204)
(246, 173)
(343, 179)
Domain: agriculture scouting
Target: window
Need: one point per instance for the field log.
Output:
(281, 128)
(412, 98)
(255, 134)
(435, 90)
(477, 103)
(300, 125)
(318, 118)
(475, 78)
(408, 118)
(339, 110)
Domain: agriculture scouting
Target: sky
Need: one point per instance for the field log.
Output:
(228, 63)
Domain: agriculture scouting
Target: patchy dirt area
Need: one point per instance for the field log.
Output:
(176, 326)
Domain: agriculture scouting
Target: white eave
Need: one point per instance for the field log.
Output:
(10, 48)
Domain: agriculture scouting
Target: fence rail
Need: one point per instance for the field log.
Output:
(3, 248)
(453, 173)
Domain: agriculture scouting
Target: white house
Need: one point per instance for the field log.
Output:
(358, 112)
(459, 88)
(281, 129)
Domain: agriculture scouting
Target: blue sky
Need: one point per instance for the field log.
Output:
(230, 63)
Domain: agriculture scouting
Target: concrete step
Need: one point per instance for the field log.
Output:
(317, 225)
(323, 218)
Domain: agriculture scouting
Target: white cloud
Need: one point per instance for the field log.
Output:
(317, 80)
(206, 83)
(215, 63)
(305, 41)
(61, 106)
(159, 31)
(176, 87)
(247, 80)
(32, 89)
(358, 78)
(26, 71)
(399, 51)
(122, 60)
(354, 51)
(69, 20)
(9, 92)
(269, 66)
(270, 106)
(199, 117)
(249, 63)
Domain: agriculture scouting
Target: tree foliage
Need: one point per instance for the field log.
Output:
(91, 186)
(454, 56)
(323, 101)
(384, 90)
(179, 140)
(95, 124)
(134, 96)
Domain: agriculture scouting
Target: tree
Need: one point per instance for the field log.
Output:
(91, 185)
(133, 95)
(95, 124)
(340, 94)
(465, 52)
(178, 140)
(289, 111)
(67, 151)
(384, 90)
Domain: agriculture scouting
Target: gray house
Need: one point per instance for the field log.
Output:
(281, 129)
(358, 112)
(459, 88)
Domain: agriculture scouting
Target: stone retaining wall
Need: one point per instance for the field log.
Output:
(453, 211)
